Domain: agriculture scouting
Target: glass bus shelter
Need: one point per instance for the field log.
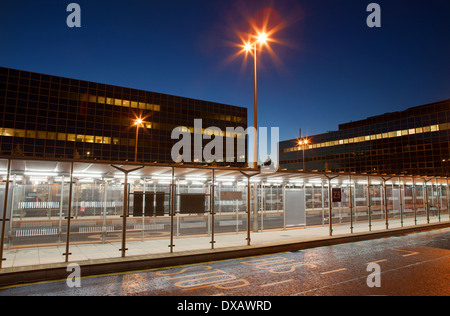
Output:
(64, 211)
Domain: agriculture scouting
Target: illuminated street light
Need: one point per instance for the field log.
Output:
(138, 122)
(303, 143)
(262, 38)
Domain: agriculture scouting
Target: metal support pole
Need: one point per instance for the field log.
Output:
(439, 191)
(426, 198)
(448, 202)
(414, 201)
(330, 208)
(5, 206)
(69, 215)
(125, 207)
(105, 208)
(386, 212)
(255, 114)
(248, 210)
(351, 204)
(369, 210)
(172, 208)
(401, 201)
(212, 211)
(124, 216)
(249, 203)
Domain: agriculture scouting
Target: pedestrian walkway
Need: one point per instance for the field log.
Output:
(33, 258)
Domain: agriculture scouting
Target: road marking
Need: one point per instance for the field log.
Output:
(379, 261)
(277, 283)
(334, 271)
(364, 277)
(410, 253)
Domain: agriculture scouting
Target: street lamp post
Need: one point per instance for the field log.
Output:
(303, 144)
(138, 124)
(262, 39)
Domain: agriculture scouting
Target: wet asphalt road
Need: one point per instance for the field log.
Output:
(416, 264)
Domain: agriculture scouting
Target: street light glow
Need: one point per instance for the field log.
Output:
(262, 37)
(303, 142)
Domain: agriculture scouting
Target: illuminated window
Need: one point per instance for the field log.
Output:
(31, 134)
(20, 133)
(62, 136)
(89, 139)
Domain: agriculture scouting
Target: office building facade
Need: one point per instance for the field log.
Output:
(411, 142)
(53, 117)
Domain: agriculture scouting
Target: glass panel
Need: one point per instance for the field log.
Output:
(193, 213)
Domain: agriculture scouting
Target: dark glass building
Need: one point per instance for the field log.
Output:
(411, 142)
(54, 117)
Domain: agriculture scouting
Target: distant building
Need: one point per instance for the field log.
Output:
(54, 117)
(411, 142)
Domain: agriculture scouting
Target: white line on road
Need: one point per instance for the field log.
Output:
(379, 261)
(334, 271)
(410, 253)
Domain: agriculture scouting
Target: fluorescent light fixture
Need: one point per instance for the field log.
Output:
(87, 175)
(45, 174)
(38, 179)
(195, 179)
(225, 179)
(161, 178)
(164, 182)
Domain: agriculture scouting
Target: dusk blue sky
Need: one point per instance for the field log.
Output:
(331, 68)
